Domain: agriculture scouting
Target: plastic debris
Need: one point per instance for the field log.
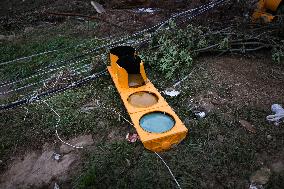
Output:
(132, 137)
(146, 10)
(56, 186)
(247, 126)
(199, 114)
(171, 92)
(278, 116)
(56, 156)
(255, 186)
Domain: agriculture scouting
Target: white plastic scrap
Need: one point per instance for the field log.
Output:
(56, 156)
(147, 10)
(253, 186)
(278, 116)
(171, 92)
(56, 186)
(200, 114)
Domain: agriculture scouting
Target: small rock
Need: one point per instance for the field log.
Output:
(249, 127)
(28, 29)
(1, 161)
(220, 138)
(277, 167)
(261, 176)
(269, 137)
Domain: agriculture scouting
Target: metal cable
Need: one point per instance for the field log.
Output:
(72, 69)
(36, 96)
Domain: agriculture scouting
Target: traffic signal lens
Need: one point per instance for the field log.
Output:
(135, 80)
(142, 99)
(157, 122)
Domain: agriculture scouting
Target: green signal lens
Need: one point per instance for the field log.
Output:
(157, 122)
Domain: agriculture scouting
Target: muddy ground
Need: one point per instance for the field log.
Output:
(219, 151)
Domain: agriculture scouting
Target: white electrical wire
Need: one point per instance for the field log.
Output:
(57, 125)
(178, 185)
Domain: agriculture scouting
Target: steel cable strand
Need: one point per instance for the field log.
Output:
(36, 96)
(73, 69)
(40, 54)
(42, 73)
(216, 4)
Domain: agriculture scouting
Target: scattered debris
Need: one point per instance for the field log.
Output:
(99, 8)
(87, 109)
(56, 156)
(199, 114)
(146, 10)
(256, 186)
(128, 162)
(56, 186)
(278, 116)
(269, 137)
(171, 92)
(260, 177)
(247, 126)
(132, 137)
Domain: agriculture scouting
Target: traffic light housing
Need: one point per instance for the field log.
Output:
(157, 125)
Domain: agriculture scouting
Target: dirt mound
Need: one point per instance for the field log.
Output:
(44, 169)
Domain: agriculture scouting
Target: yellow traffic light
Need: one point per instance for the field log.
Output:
(157, 125)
